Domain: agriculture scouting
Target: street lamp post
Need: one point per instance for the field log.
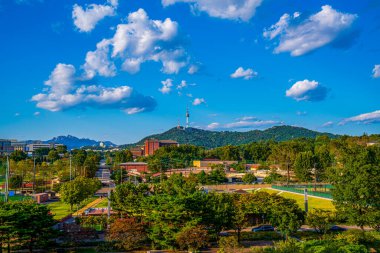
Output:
(7, 180)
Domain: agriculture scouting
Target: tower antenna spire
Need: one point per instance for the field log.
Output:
(187, 117)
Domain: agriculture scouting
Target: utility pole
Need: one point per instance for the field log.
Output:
(315, 177)
(70, 167)
(288, 178)
(121, 175)
(109, 203)
(306, 200)
(7, 180)
(34, 174)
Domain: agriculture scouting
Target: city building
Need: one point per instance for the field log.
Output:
(139, 167)
(34, 146)
(5, 146)
(152, 145)
(18, 145)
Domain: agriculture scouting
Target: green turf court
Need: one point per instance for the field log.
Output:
(313, 202)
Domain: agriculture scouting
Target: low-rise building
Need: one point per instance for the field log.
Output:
(137, 151)
(211, 162)
(38, 145)
(151, 145)
(18, 145)
(134, 166)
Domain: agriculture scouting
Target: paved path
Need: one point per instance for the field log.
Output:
(92, 204)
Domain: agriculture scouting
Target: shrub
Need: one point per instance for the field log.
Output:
(228, 244)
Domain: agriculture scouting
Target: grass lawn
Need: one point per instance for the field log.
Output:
(313, 202)
(16, 198)
(61, 210)
(103, 204)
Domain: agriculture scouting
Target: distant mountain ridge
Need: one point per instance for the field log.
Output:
(213, 139)
(75, 142)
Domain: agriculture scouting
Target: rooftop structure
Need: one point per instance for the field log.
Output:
(152, 145)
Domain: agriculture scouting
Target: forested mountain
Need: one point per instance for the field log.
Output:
(74, 142)
(212, 139)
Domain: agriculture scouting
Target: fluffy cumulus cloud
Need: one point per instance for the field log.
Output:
(135, 42)
(85, 19)
(199, 101)
(365, 118)
(376, 71)
(226, 9)
(64, 92)
(307, 91)
(244, 73)
(166, 86)
(98, 63)
(181, 85)
(316, 31)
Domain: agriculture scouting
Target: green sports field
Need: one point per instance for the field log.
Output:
(313, 201)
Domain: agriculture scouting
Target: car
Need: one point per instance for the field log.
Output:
(263, 228)
(224, 233)
(337, 229)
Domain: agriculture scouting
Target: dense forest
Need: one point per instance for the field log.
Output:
(213, 139)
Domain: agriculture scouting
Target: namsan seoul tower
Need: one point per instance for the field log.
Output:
(187, 117)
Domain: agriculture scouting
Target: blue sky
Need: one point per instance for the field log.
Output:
(120, 70)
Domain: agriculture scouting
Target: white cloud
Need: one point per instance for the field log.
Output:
(85, 19)
(246, 74)
(376, 71)
(64, 93)
(366, 118)
(328, 124)
(307, 90)
(226, 9)
(277, 28)
(250, 124)
(199, 101)
(182, 85)
(316, 31)
(36, 114)
(301, 113)
(137, 41)
(166, 86)
(193, 69)
(98, 62)
(213, 125)
(245, 118)
(61, 79)
(17, 114)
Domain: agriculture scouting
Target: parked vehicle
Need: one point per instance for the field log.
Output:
(337, 229)
(263, 228)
